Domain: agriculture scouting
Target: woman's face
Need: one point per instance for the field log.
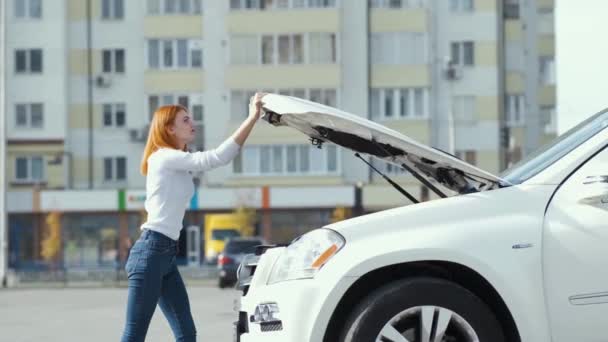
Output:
(183, 129)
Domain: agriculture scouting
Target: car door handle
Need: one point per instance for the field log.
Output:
(596, 179)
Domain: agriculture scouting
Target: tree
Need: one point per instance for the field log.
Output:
(51, 243)
(340, 213)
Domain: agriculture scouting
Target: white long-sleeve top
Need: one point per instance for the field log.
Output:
(169, 185)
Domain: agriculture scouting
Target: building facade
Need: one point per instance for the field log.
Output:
(475, 78)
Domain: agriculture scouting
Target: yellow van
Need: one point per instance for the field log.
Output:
(220, 227)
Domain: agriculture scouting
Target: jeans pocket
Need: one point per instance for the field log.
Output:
(134, 256)
(159, 247)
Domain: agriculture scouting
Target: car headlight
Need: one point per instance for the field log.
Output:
(304, 257)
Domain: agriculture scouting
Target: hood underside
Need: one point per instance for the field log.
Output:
(327, 124)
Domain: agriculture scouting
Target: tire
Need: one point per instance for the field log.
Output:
(400, 306)
(222, 283)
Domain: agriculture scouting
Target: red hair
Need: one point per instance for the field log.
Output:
(158, 136)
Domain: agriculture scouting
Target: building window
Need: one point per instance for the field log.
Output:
(515, 110)
(244, 49)
(264, 5)
(239, 103)
(546, 21)
(309, 48)
(464, 109)
(194, 102)
(28, 61)
(31, 9)
(468, 156)
(397, 4)
(514, 155)
(29, 169)
(239, 99)
(548, 119)
(547, 70)
(174, 7)
(114, 115)
(389, 168)
(175, 54)
(313, 3)
(511, 9)
(248, 49)
(290, 49)
(463, 53)
(392, 169)
(112, 9)
(114, 169)
(113, 61)
(322, 48)
(286, 160)
(405, 48)
(395, 103)
(29, 115)
(462, 6)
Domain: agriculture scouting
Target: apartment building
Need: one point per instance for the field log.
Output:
(475, 78)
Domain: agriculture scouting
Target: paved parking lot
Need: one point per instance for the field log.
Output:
(97, 314)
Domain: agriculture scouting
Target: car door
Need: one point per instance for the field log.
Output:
(575, 254)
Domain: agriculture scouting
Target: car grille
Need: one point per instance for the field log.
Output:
(245, 272)
(271, 326)
(248, 266)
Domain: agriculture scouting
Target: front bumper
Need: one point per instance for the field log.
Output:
(298, 302)
(305, 305)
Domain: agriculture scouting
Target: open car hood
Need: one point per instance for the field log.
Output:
(327, 124)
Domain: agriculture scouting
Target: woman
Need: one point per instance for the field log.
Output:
(151, 270)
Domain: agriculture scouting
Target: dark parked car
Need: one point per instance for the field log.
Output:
(230, 259)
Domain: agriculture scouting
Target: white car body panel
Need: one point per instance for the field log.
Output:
(465, 233)
(515, 273)
(502, 234)
(575, 259)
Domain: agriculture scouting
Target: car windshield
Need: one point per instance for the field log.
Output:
(246, 247)
(552, 152)
(223, 234)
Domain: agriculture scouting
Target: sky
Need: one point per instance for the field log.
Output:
(581, 60)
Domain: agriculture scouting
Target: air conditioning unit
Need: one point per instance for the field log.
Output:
(103, 81)
(139, 135)
(453, 74)
(452, 71)
(134, 135)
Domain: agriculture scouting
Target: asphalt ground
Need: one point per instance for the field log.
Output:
(98, 314)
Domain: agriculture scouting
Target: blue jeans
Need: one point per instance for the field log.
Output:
(154, 278)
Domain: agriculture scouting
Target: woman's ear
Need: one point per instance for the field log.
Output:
(171, 129)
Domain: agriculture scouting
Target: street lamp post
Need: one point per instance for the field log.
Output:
(3, 211)
(452, 73)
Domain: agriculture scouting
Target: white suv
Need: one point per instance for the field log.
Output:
(522, 257)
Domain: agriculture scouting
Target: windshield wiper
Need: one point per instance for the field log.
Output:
(390, 181)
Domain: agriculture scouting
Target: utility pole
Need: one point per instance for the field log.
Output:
(90, 89)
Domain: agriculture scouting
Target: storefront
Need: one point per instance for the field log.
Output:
(52, 230)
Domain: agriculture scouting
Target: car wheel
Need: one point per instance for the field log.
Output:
(422, 310)
(222, 283)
